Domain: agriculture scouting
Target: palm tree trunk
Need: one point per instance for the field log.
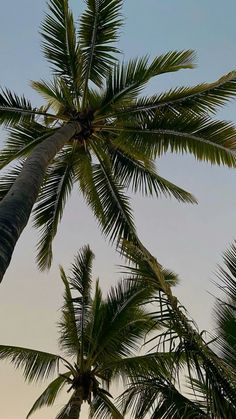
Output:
(16, 206)
(75, 405)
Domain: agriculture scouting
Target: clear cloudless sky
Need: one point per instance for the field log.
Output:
(188, 239)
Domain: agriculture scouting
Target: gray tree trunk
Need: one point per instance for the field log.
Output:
(15, 208)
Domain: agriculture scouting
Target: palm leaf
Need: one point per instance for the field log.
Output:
(49, 395)
(126, 80)
(159, 397)
(36, 365)
(15, 109)
(51, 202)
(207, 140)
(206, 97)
(58, 95)
(143, 177)
(69, 334)
(117, 213)
(21, 141)
(59, 45)
(102, 407)
(98, 31)
(8, 179)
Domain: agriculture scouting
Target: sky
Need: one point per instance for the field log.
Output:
(188, 239)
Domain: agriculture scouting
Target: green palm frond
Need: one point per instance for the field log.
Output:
(59, 42)
(158, 397)
(50, 205)
(69, 334)
(49, 395)
(15, 109)
(85, 177)
(127, 80)
(200, 99)
(57, 94)
(117, 213)
(21, 141)
(81, 281)
(36, 365)
(225, 308)
(207, 140)
(8, 179)
(102, 407)
(99, 26)
(141, 177)
(122, 322)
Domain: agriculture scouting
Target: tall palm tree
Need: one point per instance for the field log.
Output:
(211, 371)
(96, 130)
(99, 337)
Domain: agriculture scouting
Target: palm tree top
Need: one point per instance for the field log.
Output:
(113, 132)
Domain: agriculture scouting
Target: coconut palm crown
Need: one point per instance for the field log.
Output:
(100, 338)
(97, 130)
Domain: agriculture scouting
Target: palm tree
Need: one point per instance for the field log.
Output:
(96, 130)
(211, 371)
(99, 337)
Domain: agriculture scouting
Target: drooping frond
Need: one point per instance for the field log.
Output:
(207, 140)
(118, 222)
(157, 396)
(15, 109)
(49, 395)
(98, 31)
(59, 42)
(141, 177)
(102, 407)
(36, 365)
(21, 141)
(51, 202)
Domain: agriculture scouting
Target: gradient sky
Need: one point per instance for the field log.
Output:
(188, 239)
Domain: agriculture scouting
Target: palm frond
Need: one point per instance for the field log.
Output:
(206, 97)
(36, 365)
(117, 213)
(57, 94)
(127, 80)
(81, 282)
(59, 42)
(51, 202)
(102, 407)
(48, 397)
(208, 140)
(8, 179)
(69, 334)
(21, 141)
(15, 109)
(123, 321)
(141, 177)
(158, 397)
(99, 25)
(225, 308)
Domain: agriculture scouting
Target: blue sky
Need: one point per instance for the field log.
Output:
(187, 239)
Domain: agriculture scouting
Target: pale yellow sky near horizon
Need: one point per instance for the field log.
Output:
(188, 239)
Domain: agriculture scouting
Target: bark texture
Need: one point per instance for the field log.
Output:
(75, 405)
(15, 208)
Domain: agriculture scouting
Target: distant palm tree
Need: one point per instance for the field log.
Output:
(211, 373)
(96, 130)
(99, 337)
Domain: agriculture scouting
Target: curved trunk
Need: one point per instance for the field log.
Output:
(15, 208)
